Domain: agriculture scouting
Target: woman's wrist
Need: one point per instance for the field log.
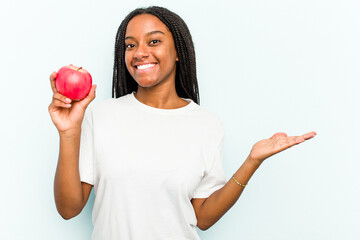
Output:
(71, 133)
(252, 162)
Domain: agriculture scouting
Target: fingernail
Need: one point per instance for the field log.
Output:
(68, 100)
(68, 105)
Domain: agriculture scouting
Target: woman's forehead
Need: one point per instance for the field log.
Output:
(145, 23)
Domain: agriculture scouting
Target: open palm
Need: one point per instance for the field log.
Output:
(277, 143)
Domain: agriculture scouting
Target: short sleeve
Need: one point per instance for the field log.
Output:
(214, 178)
(86, 164)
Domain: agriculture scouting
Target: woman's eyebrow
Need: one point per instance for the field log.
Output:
(147, 34)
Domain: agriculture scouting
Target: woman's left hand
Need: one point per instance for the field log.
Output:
(277, 143)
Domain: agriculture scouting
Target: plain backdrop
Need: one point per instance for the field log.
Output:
(263, 67)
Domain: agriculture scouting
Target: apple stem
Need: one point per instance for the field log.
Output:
(79, 68)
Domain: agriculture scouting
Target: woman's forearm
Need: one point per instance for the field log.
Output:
(217, 204)
(67, 185)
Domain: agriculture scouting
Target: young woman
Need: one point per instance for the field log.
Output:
(152, 154)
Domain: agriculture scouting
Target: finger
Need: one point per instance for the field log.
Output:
(309, 135)
(299, 139)
(61, 98)
(86, 101)
(52, 82)
(296, 139)
(58, 103)
(53, 75)
(293, 140)
(279, 134)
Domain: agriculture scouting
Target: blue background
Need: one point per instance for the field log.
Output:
(263, 67)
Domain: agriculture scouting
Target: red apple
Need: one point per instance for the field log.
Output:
(73, 82)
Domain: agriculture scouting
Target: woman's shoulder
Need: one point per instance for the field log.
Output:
(208, 113)
(209, 117)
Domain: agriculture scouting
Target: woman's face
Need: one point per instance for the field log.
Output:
(150, 54)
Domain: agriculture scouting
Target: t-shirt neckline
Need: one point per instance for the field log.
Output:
(191, 104)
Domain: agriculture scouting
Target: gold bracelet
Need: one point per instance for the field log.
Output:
(242, 185)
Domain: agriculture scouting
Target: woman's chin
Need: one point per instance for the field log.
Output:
(146, 83)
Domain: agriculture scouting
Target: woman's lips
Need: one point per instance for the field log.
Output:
(144, 67)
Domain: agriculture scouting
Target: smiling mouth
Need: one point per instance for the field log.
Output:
(145, 66)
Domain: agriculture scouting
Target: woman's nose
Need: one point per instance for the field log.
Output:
(141, 52)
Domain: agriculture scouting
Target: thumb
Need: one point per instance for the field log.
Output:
(86, 101)
(279, 134)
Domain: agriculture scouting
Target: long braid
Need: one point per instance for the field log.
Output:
(185, 80)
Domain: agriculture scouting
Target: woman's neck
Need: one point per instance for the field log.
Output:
(164, 99)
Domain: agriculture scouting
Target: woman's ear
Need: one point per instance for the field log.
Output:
(177, 59)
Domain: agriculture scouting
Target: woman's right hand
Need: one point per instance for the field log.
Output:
(67, 115)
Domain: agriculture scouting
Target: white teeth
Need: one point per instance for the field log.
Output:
(145, 66)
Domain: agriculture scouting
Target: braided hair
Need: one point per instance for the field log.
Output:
(185, 78)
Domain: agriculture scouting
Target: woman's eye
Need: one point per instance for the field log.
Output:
(154, 41)
(129, 45)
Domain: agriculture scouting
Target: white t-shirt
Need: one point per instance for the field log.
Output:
(146, 164)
